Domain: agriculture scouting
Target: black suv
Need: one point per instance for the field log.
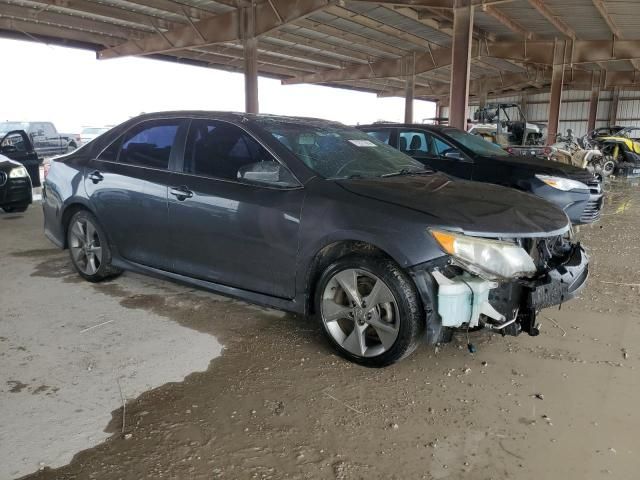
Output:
(315, 217)
(460, 154)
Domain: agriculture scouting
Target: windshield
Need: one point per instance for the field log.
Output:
(9, 126)
(475, 143)
(334, 151)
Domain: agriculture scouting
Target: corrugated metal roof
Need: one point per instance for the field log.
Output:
(349, 32)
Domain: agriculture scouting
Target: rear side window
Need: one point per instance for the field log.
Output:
(220, 150)
(149, 144)
(110, 154)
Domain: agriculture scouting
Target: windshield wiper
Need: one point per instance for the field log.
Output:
(406, 171)
(354, 176)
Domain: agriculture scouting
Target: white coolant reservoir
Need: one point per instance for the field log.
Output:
(462, 299)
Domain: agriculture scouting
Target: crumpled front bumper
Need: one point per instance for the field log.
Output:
(562, 283)
(518, 299)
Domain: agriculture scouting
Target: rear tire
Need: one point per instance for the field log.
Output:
(369, 310)
(16, 208)
(89, 249)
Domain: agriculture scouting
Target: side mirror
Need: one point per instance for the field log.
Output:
(9, 149)
(268, 172)
(454, 154)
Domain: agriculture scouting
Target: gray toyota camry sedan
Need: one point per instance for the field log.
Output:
(312, 217)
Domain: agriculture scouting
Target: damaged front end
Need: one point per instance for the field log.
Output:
(500, 284)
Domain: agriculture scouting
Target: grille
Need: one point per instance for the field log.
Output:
(592, 211)
(3, 178)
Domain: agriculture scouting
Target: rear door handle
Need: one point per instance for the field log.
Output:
(96, 176)
(181, 193)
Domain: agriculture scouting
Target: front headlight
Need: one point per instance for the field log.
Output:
(490, 259)
(564, 184)
(18, 172)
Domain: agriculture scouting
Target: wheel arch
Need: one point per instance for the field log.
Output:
(69, 211)
(331, 252)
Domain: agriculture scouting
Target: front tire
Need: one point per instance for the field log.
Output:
(89, 248)
(369, 310)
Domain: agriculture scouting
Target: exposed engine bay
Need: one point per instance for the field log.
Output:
(510, 305)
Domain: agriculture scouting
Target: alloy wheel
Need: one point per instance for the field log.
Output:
(85, 246)
(360, 312)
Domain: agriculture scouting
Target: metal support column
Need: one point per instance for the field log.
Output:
(460, 63)
(613, 106)
(410, 82)
(250, 44)
(593, 101)
(482, 93)
(557, 77)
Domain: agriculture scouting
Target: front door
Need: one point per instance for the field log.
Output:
(128, 184)
(227, 228)
(436, 153)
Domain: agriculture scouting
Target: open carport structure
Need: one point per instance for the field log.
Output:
(449, 51)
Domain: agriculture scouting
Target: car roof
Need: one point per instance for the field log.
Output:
(238, 117)
(421, 126)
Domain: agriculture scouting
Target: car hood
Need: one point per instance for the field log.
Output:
(474, 208)
(539, 165)
(7, 164)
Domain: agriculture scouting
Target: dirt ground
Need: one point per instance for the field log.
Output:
(279, 404)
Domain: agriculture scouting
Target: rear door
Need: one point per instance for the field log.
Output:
(229, 227)
(127, 185)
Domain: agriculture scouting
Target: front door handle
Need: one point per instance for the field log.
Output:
(96, 176)
(181, 193)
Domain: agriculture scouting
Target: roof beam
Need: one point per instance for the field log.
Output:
(53, 31)
(390, 67)
(489, 84)
(602, 9)
(447, 16)
(507, 21)
(445, 4)
(39, 16)
(225, 27)
(355, 38)
(599, 4)
(553, 19)
(365, 21)
(535, 52)
(107, 11)
(350, 54)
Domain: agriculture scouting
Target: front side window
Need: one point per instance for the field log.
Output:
(475, 143)
(440, 147)
(149, 144)
(335, 151)
(383, 136)
(13, 143)
(222, 150)
(414, 143)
